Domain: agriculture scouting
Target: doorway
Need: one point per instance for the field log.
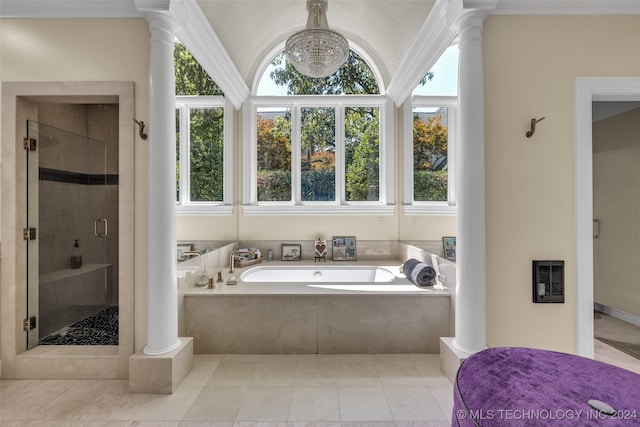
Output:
(586, 91)
(22, 102)
(616, 244)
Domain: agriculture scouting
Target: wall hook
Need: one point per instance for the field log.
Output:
(530, 133)
(143, 135)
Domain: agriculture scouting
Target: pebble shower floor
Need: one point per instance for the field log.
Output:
(98, 329)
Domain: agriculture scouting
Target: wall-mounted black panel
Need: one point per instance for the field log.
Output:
(548, 281)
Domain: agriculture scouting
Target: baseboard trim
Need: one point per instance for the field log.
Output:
(629, 318)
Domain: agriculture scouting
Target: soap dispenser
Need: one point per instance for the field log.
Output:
(76, 256)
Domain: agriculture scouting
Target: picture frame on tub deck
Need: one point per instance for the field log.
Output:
(344, 248)
(291, 252)
(449, 244)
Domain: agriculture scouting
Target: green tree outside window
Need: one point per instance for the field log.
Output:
(206, 136)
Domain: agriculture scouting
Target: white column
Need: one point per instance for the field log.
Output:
(470, 251)
(162, 289)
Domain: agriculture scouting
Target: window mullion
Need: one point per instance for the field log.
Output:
(296, 152)
(227, 154)
(407, 126)
(451, 153)
(340, 156)
(185, 161)
(387, 155)
(250, 155)
(186, 155)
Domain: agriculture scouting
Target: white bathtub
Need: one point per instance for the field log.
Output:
(283, 278)
(313, 274)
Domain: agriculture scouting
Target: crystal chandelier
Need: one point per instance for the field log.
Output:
(317, 51)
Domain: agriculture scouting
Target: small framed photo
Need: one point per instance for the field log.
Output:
(449, 244)
(291, 252)
(344, 248)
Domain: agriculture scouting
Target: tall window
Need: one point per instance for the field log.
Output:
(203, 139)
(430, 150)
(318, 153)
(430, 136)
(274, 154)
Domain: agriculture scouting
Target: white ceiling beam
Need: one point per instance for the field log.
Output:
(195, 32)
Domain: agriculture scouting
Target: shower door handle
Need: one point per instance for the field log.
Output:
(106, 227)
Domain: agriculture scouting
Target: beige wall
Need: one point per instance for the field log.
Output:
(90, 50)
(616, 179)
(308, 227)
(530, 65)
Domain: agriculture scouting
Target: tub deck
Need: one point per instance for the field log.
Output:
(400, 285)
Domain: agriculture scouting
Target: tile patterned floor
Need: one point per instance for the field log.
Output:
(250, 390)
(258, 391)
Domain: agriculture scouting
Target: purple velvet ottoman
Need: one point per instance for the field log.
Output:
(526, 387)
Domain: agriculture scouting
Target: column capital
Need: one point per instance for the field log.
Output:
(160, 22)
(162, 28)
(469, 24)
(158, 15)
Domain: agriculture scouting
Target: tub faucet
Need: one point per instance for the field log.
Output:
(234, 253)
(187, 255)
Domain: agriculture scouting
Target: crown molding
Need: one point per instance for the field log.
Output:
(480, 4)
(565, 7)
(152, 5)
(33, 9)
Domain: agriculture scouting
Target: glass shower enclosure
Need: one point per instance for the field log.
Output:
(71, 198)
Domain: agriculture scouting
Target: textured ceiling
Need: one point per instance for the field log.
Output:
(250, 30)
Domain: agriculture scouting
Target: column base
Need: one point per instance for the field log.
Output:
(161, 374)
(451, 358)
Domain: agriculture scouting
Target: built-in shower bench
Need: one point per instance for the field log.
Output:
(89, 287)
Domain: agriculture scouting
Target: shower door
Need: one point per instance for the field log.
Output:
(67, 201)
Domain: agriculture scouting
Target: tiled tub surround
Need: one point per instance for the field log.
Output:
(271, 318)
(214, 260)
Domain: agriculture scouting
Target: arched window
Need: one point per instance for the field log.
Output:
(318, 145)
(354, 77)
